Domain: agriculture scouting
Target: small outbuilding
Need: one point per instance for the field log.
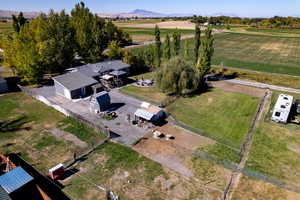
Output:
(74, 85)
(100, 102)
(282, 108)
(149, 113)
(3, 85)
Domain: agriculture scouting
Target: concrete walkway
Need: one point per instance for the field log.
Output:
(262, 85)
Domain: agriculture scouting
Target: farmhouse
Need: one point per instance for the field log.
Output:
(3, 85)
(98, 69)
(74, 85)
(282, 108)
(149, 113)
(85, 80)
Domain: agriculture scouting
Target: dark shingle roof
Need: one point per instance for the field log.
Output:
(102, 67)
(74, 80)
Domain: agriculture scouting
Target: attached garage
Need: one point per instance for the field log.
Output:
(74, 85)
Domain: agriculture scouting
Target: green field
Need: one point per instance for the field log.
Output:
(221, 115)
(274, 30)
(275, 150)
(5, 27)
(255, 52)
(147, 34)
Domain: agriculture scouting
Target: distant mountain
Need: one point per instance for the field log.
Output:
(146, 13)
(9, 13)
(141, 14)
(224, 14)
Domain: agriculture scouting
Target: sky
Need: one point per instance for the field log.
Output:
(250, 8)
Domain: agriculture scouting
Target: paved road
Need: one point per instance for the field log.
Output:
(262, 85)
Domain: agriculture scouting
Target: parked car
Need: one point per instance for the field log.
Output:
(297, 106)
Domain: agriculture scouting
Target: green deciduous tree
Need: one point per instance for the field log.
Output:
(197, 42)
(176, 40)
(207, 50)
(167, 48)
(157, 52)
(114, 50)
(177, 77)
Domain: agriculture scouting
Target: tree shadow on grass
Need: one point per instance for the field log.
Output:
(14, 125)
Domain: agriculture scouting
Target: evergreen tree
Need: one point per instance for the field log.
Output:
(167, 48)
(18, 22)
(157, 46)
(197, 42)
(176, 39)
(207, 50)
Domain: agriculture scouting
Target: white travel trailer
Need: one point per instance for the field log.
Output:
(282, 108)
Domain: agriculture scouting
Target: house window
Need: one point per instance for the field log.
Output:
(277, 114)
(285, 98)
(282, 106)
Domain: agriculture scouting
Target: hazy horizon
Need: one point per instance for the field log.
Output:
(246, 8)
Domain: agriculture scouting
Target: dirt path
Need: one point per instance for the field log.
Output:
(237, 174)
(252, 91)
(262, 85)
(68, 136)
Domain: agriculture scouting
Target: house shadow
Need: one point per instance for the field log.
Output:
(115, 106)
(113, 135)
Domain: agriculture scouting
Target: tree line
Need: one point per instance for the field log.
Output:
(56, 41)
(273, 22)
(178, 75)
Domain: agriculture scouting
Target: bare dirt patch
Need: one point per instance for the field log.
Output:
(69, 137)
(256, 92)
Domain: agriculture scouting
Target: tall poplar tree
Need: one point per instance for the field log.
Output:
(157, 46)
(176, 40)
(197, 42)
(186, 50)
(167, 48)
(207, 50)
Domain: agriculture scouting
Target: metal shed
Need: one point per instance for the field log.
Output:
(14, 179)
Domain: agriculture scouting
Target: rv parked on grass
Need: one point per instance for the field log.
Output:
(282, 108)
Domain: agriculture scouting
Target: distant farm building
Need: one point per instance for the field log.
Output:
(89, 79)
(282, 108)
(3, 85)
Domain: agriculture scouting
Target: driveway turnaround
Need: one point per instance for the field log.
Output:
(124, 131)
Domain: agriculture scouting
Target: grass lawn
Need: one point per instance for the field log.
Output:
(26, 126)
(249, 189)
(276, 149)
(150, 94)
(129, 175)
(221, 115)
